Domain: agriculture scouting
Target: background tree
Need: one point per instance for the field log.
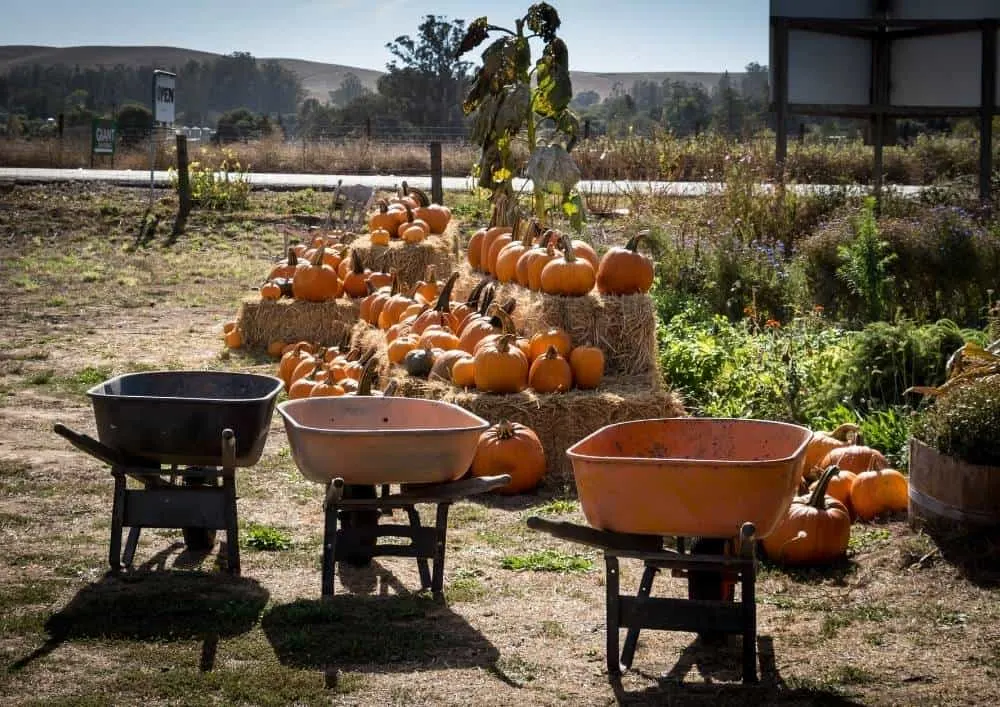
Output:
(426, 80)
(350, 89)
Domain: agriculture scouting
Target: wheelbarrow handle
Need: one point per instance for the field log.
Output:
(86, 443)
(604, 539)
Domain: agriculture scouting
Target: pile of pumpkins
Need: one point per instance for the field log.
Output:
(474, 344)
(322, 273)
(311, 371)
(850, 481)
(553, 263)
(409, 217)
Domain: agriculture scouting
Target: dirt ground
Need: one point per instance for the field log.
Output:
(899, 623)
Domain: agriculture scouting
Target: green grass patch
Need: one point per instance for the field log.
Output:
(266, 538)
(866, 538)
(547, 561)
(557, 507)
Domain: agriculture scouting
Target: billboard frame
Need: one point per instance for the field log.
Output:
(882, 30)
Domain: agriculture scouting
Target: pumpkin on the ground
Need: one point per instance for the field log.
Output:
(821, 443)
(815, 530)
(855, 458)
(879, 491)
(510, 448)
(839, 487)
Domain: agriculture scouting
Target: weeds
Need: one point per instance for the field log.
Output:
(267, 538)
(547, 561)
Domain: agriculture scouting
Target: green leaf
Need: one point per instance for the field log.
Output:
(543, 20)
(474, 36)
(572, 206)
(554, 89)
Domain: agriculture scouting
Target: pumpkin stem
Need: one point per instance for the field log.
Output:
(504, 429)
(383, 206)
(847, 432)
(368, 376)
(504, 342)
(567, 247)
(486, 300)
(473, 299)
(817, 497)
(292, 258)
(317, 259)
(551, 352)
(357, 267)
(394, 286)
(422, 199)
(390, 388)
(506, 322)
(444, 297)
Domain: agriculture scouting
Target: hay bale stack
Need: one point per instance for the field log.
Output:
(327, 323)
(365, 336)
(559, 419)
(411, 261)
(623, 326)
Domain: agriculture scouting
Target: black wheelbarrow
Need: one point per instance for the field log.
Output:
(181, 435)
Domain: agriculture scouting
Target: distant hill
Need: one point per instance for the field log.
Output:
(317, 78)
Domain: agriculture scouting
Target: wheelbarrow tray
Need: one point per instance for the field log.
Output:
(700, 477)
(367, 440)
(177, 417)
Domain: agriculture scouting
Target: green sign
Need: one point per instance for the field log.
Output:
(103, 136)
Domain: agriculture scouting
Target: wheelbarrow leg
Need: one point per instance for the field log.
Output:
(632, 637)
(426, 579)
(229, 492)
(131, 543)
(117, 523)
(614, 616)
(441, 528)
(748, 602)
(331, 514)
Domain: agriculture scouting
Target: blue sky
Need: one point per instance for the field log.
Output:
(602, 35)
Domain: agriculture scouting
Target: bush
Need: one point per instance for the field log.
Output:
(885, 359)
(943, 264)
(963, 423)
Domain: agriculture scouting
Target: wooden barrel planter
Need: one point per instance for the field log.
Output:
(946, 492)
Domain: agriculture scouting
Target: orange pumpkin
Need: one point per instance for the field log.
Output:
(550, 373)
(287, 267)
(587, 363)
(535, 261)
(821, 443)
(317, 281)
(355, 281)
(815, 530)
(487, 242)
(474, 250)
(510, 448)
(463, 372)
(384, 220)
(855, 458)
(270, 291)
(839, 487)
(625, 271)
(567, 275)
(543, 340)
(501, 368)
(879, 491)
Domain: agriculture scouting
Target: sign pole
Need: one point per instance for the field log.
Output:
(163, 114)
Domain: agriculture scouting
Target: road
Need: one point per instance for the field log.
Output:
(137, 178)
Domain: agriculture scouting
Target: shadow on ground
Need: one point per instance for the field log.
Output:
(375, 634)
(157, 606)
(713, 671)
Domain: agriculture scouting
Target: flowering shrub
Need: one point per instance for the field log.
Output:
(225, 186)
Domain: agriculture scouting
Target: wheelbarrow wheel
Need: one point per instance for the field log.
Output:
(199, 539)
(709, 585)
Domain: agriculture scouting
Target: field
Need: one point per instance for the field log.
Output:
(902, 621)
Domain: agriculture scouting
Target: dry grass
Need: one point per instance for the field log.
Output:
(898, 623)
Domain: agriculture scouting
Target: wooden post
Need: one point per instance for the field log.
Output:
(586, 128)
(989, 90)
(183, 185)
(880, 99)
(437, 185)
(780, 96)
(368, 128)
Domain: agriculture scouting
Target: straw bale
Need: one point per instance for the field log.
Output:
(411, 261)
(327, 323)
(365, 336)
(623, 326)
(559, 419)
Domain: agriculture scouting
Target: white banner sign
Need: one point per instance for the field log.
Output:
(163, 98)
